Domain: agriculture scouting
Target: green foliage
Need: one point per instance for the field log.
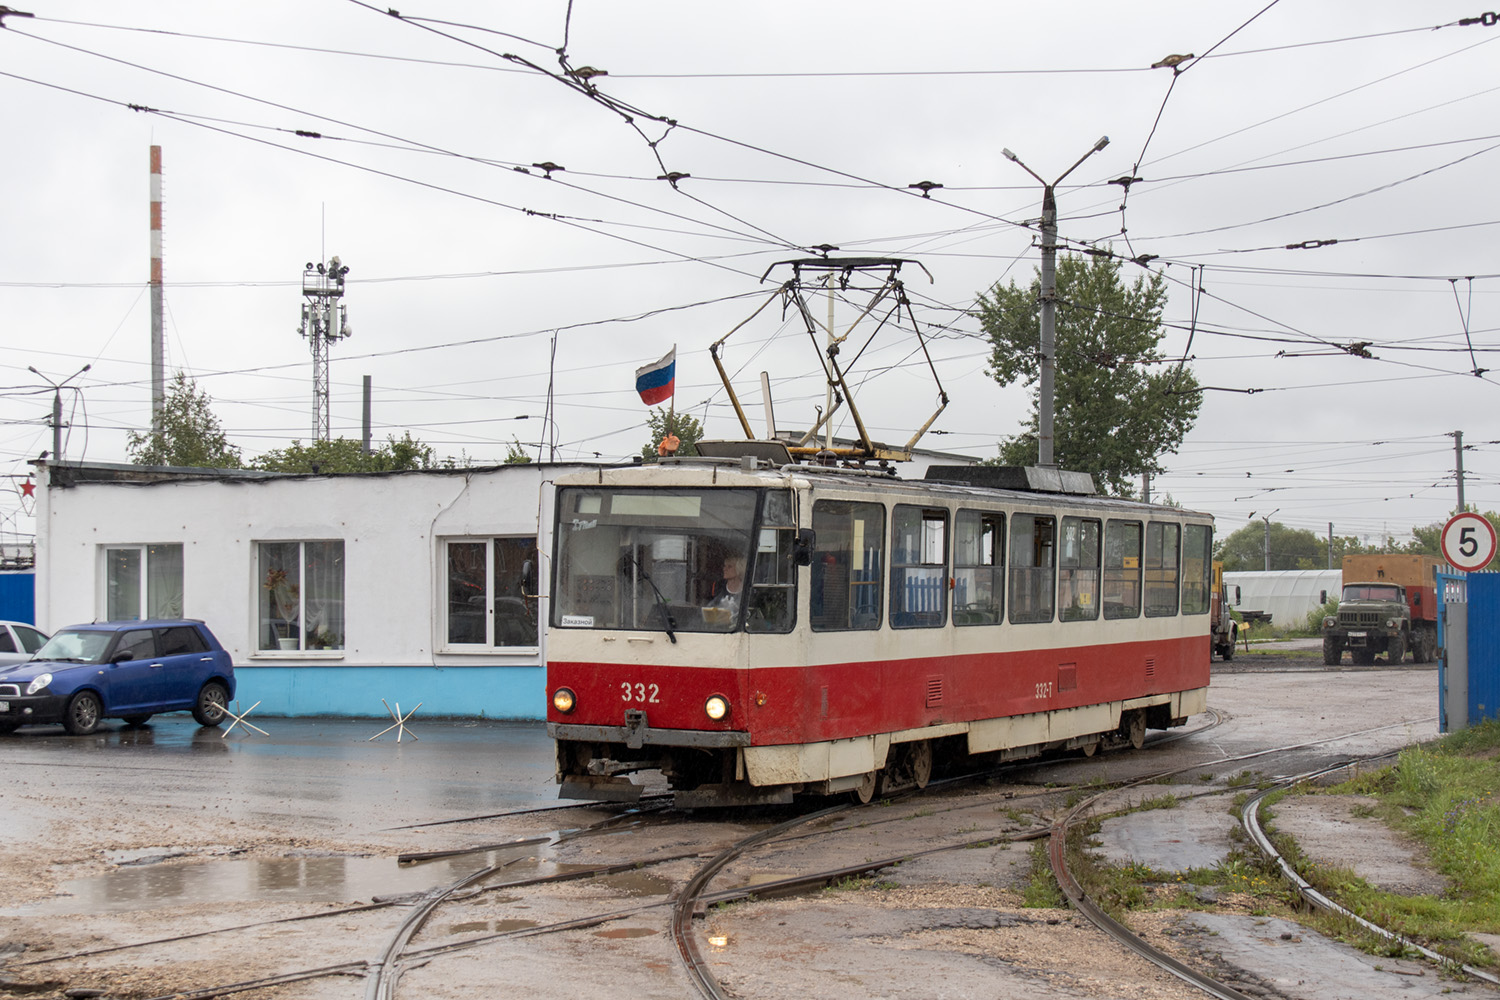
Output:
(659, 422)
(1316, 615)
(190, 434)
(515, 454)
(1116, 411)
(346, 455)
(1291, 548)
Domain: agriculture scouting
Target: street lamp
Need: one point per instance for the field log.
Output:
(57, 423)
(1266, 547)
(1049, 296)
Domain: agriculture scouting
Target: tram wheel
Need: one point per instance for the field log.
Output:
(865, 790)
(1136, 729)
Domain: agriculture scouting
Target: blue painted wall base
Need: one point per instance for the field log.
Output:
(474, 692)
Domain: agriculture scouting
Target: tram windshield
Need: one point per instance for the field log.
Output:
(674, 560)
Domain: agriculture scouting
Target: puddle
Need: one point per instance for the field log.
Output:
(473, 926)
(338, 879)
(618, 933)
(636, 883)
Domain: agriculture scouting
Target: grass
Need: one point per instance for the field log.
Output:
(1041, 890)
(1446, 795)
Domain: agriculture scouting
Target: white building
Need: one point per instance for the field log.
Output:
(1286, 594)
(330, 592)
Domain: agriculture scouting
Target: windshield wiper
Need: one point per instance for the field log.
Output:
(661, 601)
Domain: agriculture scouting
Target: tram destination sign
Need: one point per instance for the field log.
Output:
(1468, 541)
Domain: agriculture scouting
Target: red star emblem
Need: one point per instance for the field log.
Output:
(28, 489)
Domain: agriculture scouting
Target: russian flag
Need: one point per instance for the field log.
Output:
(655, 382)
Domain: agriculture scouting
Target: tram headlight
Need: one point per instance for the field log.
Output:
(717, 708)
(563, 700)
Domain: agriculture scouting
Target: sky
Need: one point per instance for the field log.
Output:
(1322, 172)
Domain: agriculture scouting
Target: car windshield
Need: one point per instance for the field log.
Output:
(671, 560)
(1372, 592)
(76, 646)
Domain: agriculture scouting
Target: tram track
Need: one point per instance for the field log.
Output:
(404, 946)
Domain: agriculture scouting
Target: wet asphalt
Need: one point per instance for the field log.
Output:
(329, 773)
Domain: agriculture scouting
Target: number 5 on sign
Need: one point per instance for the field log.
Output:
(1468, 541)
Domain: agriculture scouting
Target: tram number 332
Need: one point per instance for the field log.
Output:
(643, 693)
(1044, 689)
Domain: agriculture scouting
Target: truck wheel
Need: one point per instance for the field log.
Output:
(1395, 650)
(1226, 652)
(1421, 647)
(1332, 653)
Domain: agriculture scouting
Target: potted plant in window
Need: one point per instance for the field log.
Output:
(285, 601)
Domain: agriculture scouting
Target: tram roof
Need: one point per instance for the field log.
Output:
(696, 471)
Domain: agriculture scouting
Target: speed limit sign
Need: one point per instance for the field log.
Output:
(1468, 541)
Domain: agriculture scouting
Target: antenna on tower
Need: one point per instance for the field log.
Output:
(325, 320)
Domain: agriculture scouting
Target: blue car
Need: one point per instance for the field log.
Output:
(126, 670)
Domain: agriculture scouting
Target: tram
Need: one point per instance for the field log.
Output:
(879, 626)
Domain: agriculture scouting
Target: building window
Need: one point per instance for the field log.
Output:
(1033, 565)
(492, 596)
(1122, 569)
(142, 581)
(1162, 544)
(301, 595)
(919, 567)
(847, 565)
(1078, 570)
(978, 568)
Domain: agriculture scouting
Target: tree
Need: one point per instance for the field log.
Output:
(661, 422)
(1118, 406)
(190, 434)
(1291, 548)
(346, 455)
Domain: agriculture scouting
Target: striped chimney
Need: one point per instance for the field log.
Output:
(158, 336)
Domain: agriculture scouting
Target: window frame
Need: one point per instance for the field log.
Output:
(1075, 574)
(899, 615)
(1046, 542)
(264, 590)
(529, 595)
(1111, 609)
(143, 552)
(995, 568)
(1204, 579)
(1165, 585)
(818, 579)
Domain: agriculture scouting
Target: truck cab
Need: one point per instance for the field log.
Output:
(1373, 618)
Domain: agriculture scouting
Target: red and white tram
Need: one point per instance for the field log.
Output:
(881, 623)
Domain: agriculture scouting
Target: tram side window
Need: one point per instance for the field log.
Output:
(978, 568)
(919, 567)
(773, 591)
(1078, 570)
(1162, 544)
(1197, 541)
(1122, 569)
(847, 566)
(1033, 566)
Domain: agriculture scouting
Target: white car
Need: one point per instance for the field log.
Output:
(18, 641)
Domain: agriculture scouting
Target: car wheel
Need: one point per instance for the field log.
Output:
(136, 720)
(83, 712)
(212, 701)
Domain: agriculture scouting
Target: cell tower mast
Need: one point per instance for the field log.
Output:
(325, 320)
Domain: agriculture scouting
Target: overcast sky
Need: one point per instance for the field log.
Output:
(1372, 123)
